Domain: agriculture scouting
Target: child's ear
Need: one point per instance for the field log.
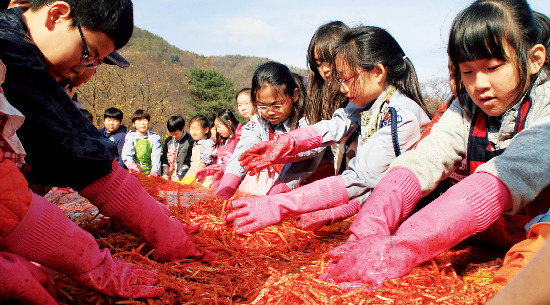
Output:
(537, 56)
(379, 71)
(296, 95)
(58, 11)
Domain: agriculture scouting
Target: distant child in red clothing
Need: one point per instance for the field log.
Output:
(228, 133)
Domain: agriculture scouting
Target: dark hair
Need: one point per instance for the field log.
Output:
(543, 23)
(243, 90)
(281, 79)
(114, 113)
(323, 97)
(4, 4)
(203, 121)
(175, 123)
(140, 114)
(226, 117)
(368, 46)
(87, 114)
(484, 30)
(115, 18)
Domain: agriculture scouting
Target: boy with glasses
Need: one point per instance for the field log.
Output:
(41, 47)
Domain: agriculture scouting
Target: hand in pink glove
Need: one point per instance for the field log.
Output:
(120, 196)
(118, 278)
(392, 200)
(223, 158)
(132, 167)
(254, 213)
(282, 150)
(316, 220)
(278, 187)
(22, 281)
(228, 186)
(46, 236)
(153, 174)
(465, 209)
(212, 170)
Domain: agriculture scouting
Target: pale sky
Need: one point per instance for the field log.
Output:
(281, 29)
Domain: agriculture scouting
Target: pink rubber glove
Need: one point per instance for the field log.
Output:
(392, 200)
(119, 278)
(465, 209)
(254, 213)
(228, 186)
(278, 188)
(46, 236)
(153, 174)
(212, 170)
(282, 150)
(120, 196)
(21, 281)
(316, 220)
(132, 167)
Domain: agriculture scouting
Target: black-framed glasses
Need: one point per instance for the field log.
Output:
(343, 82)
(275, 107)
(87, 60)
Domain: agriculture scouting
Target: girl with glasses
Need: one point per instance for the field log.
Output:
(381, 84)
(278, 98)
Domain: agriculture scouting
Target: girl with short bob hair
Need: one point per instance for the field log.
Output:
(489, 140)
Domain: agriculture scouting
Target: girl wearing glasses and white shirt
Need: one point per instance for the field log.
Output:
(385, 104)
(278, 98)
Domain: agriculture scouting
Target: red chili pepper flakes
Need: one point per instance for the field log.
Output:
(277, 265)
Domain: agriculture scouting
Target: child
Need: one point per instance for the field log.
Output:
(204, 148)
(33, 229)
(381, 83)
(538, 229)
(322, 100)
(177, 149)
(115, 131)
(324, 95)
(496, 125)
(276, 96)
(63, 148)
(244, 103)
(142, 149)
(228, 133)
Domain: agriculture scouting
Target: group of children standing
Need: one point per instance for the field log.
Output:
(347, 143)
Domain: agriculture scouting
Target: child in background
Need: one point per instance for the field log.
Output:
(324, 95)
(381, 82)
(496, 124)
(115, 131)
(244, 103)
(228, 133)
(176, 157)
(142, 148)
(322, 100)
(87, 114)
(204, 149)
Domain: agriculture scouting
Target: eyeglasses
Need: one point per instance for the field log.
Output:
(87, 60)
(343, 82)
(275, 107)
